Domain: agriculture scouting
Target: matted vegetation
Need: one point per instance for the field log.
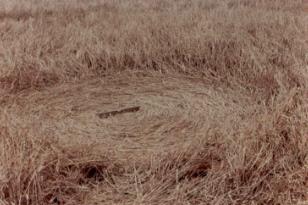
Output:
(221, 89)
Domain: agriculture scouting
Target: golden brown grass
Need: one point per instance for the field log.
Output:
(221, 86)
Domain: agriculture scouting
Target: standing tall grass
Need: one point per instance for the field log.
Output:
(257, 49)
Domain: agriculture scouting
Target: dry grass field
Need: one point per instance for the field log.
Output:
(153, 102)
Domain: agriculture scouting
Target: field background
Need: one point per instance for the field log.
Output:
(222, 88)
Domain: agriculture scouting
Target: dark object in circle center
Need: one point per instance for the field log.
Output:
(116, 112)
